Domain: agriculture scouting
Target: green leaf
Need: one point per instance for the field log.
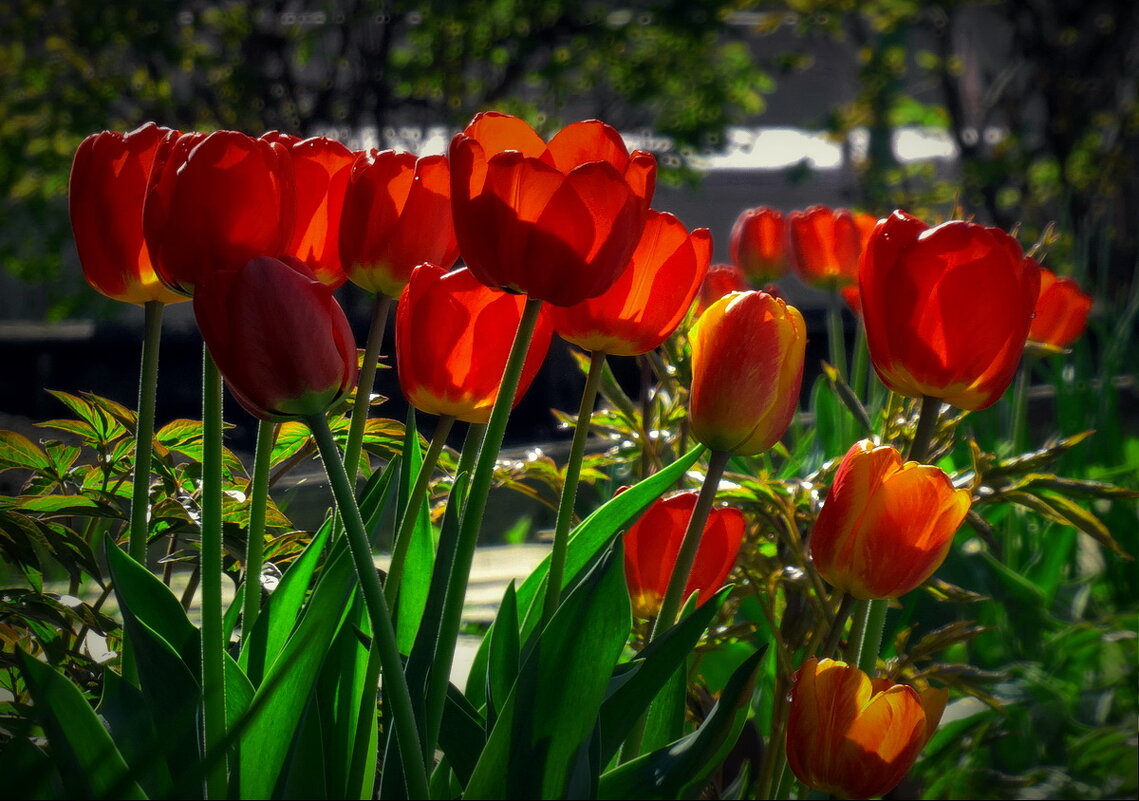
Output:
(90, 764)
(681, 769)
(124, 710)
(503, 656)
(420, 557)
(549, 718)
(17, 451)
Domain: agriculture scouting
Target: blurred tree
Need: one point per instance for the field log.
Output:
(72, 67)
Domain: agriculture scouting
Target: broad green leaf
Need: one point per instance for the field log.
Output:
(504, 655)
(90, 764)
(124, 710)
(420, 558)
(17, 451)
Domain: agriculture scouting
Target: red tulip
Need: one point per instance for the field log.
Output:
(453, 336)
(653, 543)
(321, 168)
(278, 337)
(650, 297)
(107, 187)
(747, 368)
(947, 309)
(214, 203)
(720, 280)
(557, 222)
(826, 244)
(397, 214)
(759, 244)
(1061, 310)
(853, 736)
(886, 526)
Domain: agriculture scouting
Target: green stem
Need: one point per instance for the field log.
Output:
(836, 338)
(569, 488)
(1020, 405)
(872, 641)
(258, 501)
(144, 436)
(835, 631)
(927, 425)
(471, 521)
(414, 504)
(673, 596)
(383, 632)
(857, 633)
(362, 403)
(213, 645)
(860, 368)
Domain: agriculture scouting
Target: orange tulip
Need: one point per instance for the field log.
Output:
(759, 244)
(853, 736)
(826, 244)
(453, 335)
(653, 543)
(1061, 311)
(747, 367)
(278, 337)
(105, 194)
(720, 280)
(397, 214)
(650, 297)
(947, 309)
(555, 221)
(215, 202)
(321, 168)
(886, 526)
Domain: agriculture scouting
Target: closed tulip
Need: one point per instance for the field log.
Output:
(397, 214)
(108, 183)
(758, 244)
(826, 245)
(557, 221)
(320, 169)
(653, 542)
(747, 368)
(215, 202)
(453, 336)
(947, 309)
(885, 526)
(278, 336)
(1061, 311)
(650, 297)
(853, 736)
(721, 279)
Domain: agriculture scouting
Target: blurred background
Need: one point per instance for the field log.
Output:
(1018, 113)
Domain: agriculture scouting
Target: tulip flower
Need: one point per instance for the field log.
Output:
(826, 245)
(853, 736)
(397, 214)
(215, 202)
(947, 309)
(1061, 311)
(650, 297)
(453, 335)
(758, 244)
(653, 542)
(721, 279)
(885, 526)
(320, 168)
(279, 338)
(108, 183)
(747, 367)
(555, 221)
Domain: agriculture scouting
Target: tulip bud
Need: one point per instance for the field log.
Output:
(747, 368)
(758, 244)
(827, 243)
(1061, 311)
(853, 736)
(555, 221)
(650, 297)
(885, 526)
(279, 338)
(947, 309)
(721, 280)
(108, 183)
(653, 543)
(453, 336)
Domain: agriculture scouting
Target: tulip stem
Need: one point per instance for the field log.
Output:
(258, 502)
(569, 487)
(415, 501)
(857, 633)
(210, 562)
(471, 522)
(927, 425)
(840, 615)
(836, 337)
(395, 689)
(1020, 405)
(872, 641)
(673, 596)
(860, 368)
(361, 405)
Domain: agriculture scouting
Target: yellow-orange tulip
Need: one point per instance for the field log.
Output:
(886, 526)
(853, 736)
